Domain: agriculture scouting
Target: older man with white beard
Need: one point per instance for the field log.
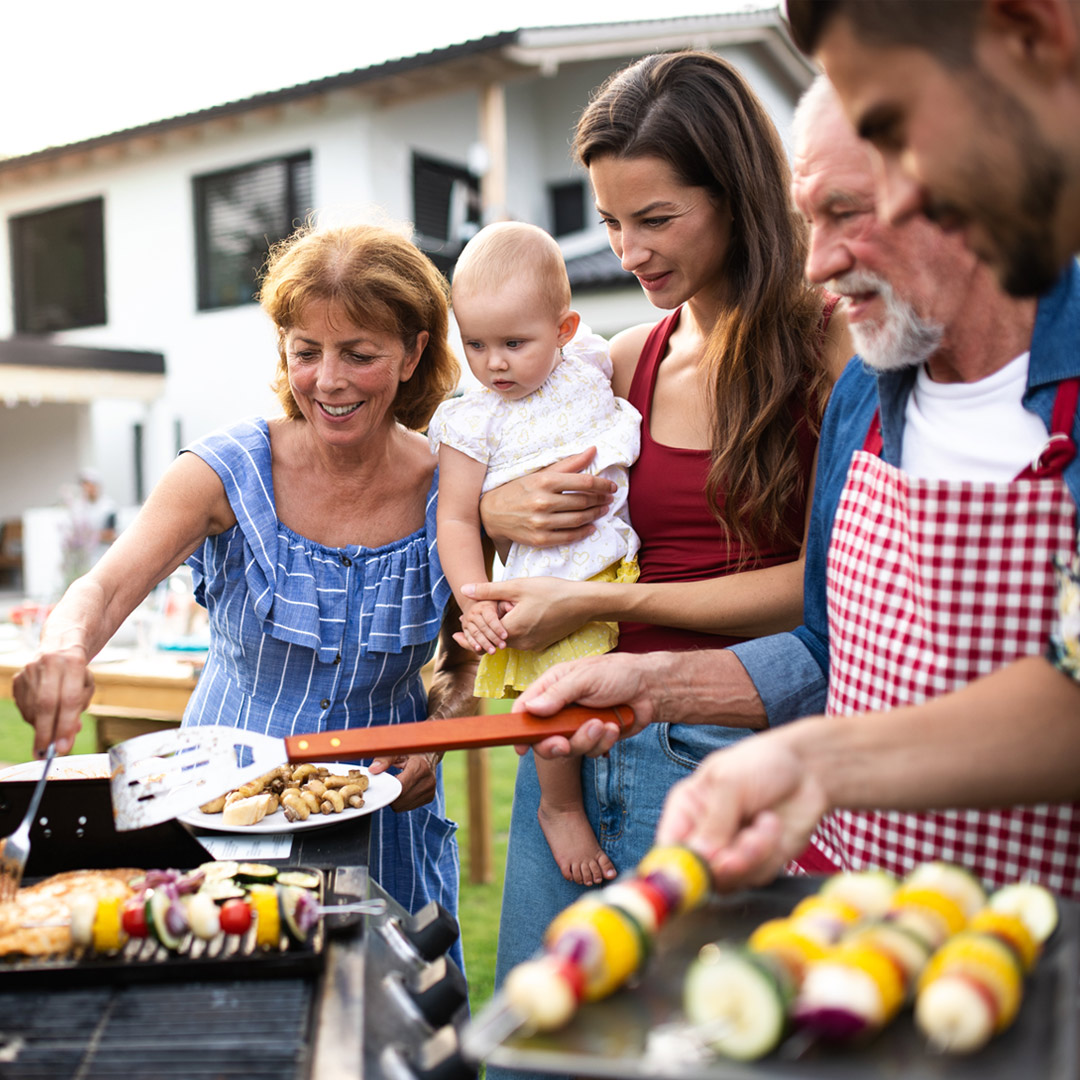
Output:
(939, 502)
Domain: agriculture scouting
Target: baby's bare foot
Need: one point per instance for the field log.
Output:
(574, 846)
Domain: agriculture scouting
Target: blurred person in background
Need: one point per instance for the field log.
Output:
(91, 524)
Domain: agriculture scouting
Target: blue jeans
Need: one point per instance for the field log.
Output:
(623, 794)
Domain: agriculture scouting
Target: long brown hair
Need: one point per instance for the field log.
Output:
(763, 355)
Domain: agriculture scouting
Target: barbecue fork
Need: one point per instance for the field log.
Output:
(16, 849)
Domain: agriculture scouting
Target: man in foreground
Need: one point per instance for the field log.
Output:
(974, 108)
(929, 586)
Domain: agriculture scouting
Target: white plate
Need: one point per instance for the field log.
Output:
(382, 791)
(71, 767)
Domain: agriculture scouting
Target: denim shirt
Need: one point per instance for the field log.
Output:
(790, 671)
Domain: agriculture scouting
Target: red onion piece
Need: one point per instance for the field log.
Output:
(156, 878)
(306, 914)
(190, 883)
(176, 921)
(831, 1022)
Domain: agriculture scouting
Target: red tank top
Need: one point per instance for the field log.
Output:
(680, 538)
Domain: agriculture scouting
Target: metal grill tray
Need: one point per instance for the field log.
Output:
(226, 956)
(622, 1037)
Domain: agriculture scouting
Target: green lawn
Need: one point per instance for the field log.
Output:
(17, 738)
(479, 903)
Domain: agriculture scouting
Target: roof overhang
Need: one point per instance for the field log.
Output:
(552, 47)
(35, 371)
(501, 57)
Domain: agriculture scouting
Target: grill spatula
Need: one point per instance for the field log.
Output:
(159, 776)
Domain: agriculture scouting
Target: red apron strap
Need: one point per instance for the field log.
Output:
(873, 443)
(1060, 448)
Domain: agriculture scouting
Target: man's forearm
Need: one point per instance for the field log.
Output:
(705, 687)
(1011, 738)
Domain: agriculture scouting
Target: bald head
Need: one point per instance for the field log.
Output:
(509, 250)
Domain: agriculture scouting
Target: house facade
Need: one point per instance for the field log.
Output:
(127, 321)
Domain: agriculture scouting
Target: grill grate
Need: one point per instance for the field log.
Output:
(245, 1029)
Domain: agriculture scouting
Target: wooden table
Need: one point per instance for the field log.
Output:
(131, 697)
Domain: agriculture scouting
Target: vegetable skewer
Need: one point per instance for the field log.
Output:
(599, 942)
(848, 958)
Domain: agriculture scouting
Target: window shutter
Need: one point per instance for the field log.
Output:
(239, 214)
(58, 267)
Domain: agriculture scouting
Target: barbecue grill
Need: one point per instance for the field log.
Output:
(377, 996)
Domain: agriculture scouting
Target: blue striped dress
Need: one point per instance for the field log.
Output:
(308, 638)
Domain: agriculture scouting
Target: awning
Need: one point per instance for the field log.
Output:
(34, 371)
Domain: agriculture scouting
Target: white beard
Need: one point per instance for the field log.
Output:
(901, 338)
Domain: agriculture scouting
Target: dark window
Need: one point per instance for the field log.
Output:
(238, 215)
(446, 208)
(567, 207)
(58, 267)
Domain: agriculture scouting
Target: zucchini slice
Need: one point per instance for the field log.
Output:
(219, 869)
(1033, 903)
(302, 879)
(957, 882)
(157, 910)
(299, 911)
(223, 890)
(252, 873)
(738, 1002)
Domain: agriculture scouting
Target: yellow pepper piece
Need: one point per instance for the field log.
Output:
(985, 959)
(828, 905)
(882, 969)
(684, 866)
(574, 915)
(1011, 929)
(948, 911)
(264, 903)
(794, 948)
(108, 933)
(616, 951)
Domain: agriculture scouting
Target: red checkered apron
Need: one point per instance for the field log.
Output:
(932, 584)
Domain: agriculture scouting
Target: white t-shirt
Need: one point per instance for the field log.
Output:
(971, 431)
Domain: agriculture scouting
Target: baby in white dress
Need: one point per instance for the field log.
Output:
(545, 394)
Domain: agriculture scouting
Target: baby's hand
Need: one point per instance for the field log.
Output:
(481, 629)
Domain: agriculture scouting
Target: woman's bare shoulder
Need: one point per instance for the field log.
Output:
(626, 348)
(417, 452)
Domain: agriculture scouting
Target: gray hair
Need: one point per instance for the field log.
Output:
(815, 102)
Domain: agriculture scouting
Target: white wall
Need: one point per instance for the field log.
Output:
(41, 448)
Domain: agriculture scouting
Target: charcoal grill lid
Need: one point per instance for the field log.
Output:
(75, 830)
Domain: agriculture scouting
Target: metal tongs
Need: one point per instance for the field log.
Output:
(159, 776)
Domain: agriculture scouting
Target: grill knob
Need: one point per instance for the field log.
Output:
(438, 990)
(431, 931)
(440, 1058)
